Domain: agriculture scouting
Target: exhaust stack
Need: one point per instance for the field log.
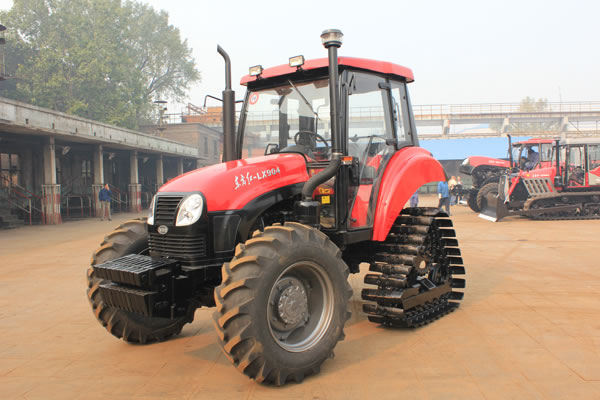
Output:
(229, 150)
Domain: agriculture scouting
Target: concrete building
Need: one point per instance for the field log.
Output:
(207, 140)
(52, 165)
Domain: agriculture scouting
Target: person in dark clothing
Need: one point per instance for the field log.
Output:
(458, 189)
(105, 196)
(533, 158)
(444, 196)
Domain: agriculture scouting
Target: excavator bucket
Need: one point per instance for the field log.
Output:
(494, 208)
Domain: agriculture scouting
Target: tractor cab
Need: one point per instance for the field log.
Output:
(579, 164)
(288, 110)
(531, 154)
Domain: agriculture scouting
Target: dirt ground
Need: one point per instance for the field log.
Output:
(529, 327)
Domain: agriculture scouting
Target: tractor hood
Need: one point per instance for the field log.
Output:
(472, 162)
(231, 185)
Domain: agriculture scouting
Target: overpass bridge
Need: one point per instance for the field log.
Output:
(462, 121)
(48, 158)
(457, 121)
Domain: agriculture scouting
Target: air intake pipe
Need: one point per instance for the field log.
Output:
(308, 211)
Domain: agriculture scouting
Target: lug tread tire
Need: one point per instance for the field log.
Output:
(245, 338)
(472, 200)
(129, 237)
(483, 192)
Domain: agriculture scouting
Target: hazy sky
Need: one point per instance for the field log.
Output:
(461, 51)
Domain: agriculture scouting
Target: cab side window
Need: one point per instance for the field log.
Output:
(400, 112)
(370, 139)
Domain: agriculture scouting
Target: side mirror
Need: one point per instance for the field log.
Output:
(271, 148)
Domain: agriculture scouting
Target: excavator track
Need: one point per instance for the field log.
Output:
(415, 269)
(588, 210)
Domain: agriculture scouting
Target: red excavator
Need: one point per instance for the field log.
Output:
(567, 188)
(270, 240)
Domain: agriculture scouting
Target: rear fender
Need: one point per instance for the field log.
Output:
(409, 169)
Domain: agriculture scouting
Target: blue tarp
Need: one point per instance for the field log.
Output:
(458, 149)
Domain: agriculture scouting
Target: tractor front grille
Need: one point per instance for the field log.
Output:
(537, 186)
(166, 209)
(184, 248)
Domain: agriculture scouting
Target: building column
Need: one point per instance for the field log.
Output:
(50, 190)
(98, 161)
(135, 189)
(160, 171)
(505, 125)
(564, 127)
(179, 166)
(446, 127)
(27, 169)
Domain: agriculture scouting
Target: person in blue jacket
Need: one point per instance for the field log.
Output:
(105, 196)
(414, 199)
(444, 196)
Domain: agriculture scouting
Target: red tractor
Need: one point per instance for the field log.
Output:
(567, 187)
(485, 171)
(269, 240)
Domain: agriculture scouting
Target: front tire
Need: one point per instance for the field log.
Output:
(472, 200)
(283, 303)
(128, 238)
(489, 188)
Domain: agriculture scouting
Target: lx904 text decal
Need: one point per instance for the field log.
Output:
(249, 177)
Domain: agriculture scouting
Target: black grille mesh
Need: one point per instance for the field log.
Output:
(188, 249)
(166, 208)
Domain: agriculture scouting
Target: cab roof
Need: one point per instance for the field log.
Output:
(383, 67)
(534, 141)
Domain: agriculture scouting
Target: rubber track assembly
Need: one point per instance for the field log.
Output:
(415, 269)
(589, 206)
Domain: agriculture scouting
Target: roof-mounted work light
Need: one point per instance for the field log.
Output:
(256, 70)
(332, 37)
(297, 61)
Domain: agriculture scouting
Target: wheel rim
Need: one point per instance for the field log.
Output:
(300, 306)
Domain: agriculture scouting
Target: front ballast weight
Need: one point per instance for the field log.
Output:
(143, 285)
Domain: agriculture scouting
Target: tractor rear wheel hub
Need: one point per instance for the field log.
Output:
(292, 305)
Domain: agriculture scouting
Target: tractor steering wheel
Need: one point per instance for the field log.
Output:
(300, 138)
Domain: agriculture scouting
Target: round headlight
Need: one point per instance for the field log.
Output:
(150, 220)
(190, 210)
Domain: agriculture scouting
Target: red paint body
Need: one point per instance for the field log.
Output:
(476, 161)
(408, 170)
(218, 182)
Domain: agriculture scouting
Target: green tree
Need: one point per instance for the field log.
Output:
(531, 105)
(100, 59)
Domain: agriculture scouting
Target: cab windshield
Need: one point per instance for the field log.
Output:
(289, 118)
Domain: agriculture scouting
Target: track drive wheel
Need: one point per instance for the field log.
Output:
(488, 188)
(128, 238)
(283, 303)
(472, 200)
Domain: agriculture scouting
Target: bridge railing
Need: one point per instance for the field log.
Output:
(437, 111)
